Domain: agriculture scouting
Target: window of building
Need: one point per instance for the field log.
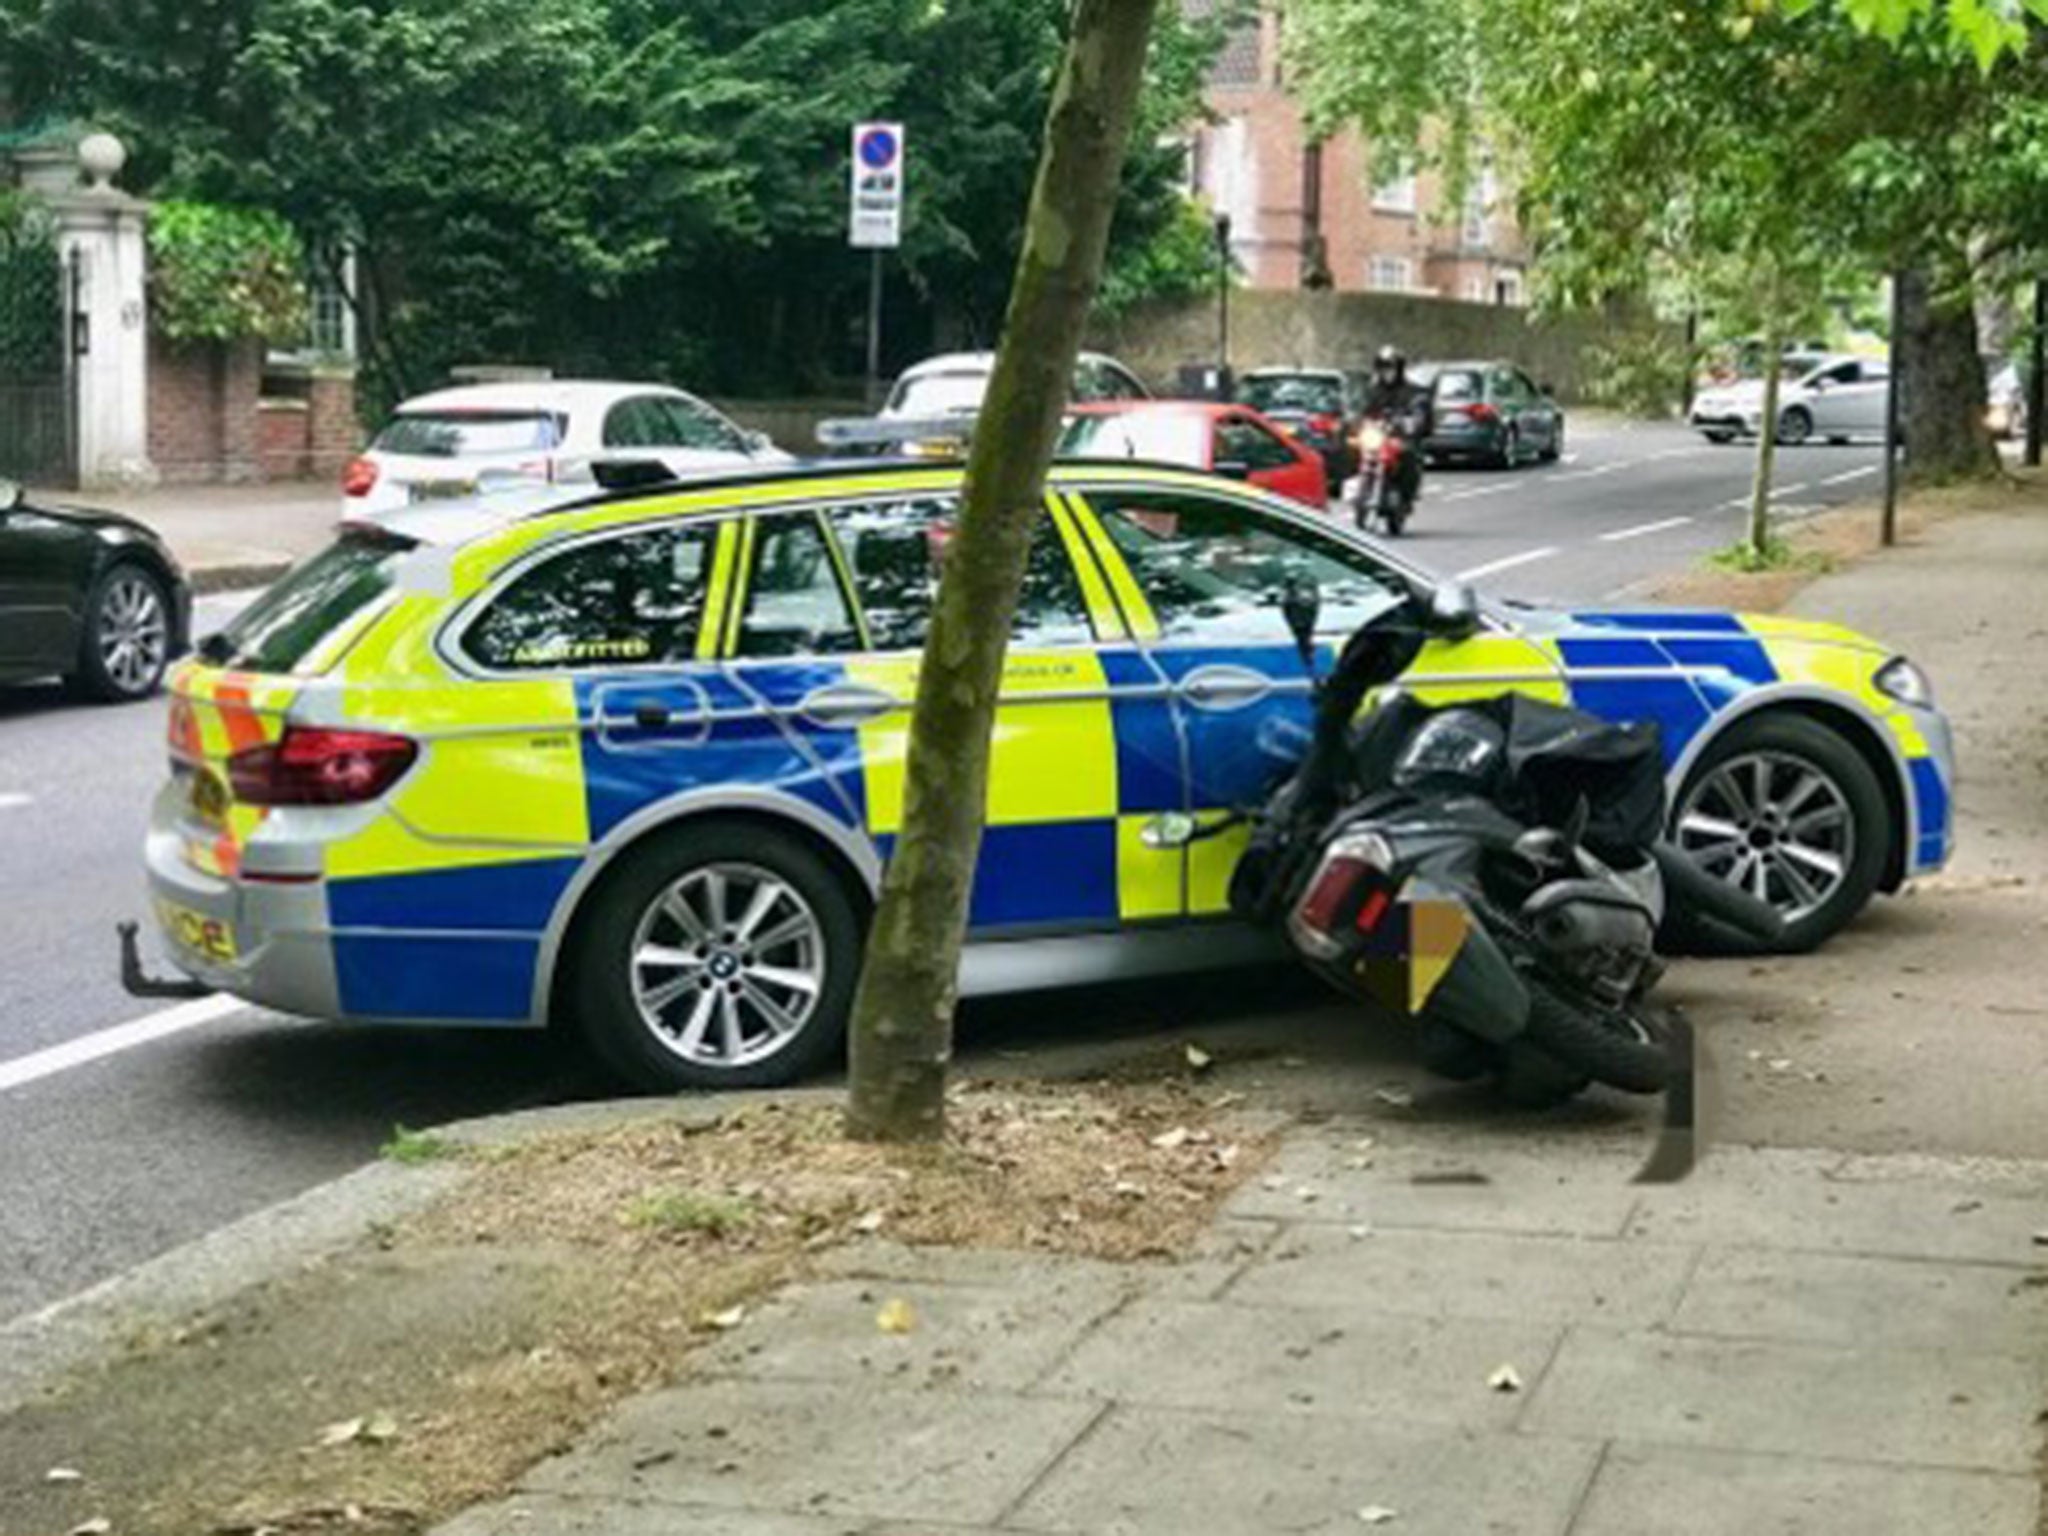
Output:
(1392, 274)
(1507, 289)
(1395, 196)
(1476, 291)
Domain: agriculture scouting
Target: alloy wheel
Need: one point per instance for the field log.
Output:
(1774, 825)
(134, 633)
(727, 965)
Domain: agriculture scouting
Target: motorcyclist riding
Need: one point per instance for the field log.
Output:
(1403, 407)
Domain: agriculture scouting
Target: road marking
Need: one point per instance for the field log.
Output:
(1850, 474)
(1642, 528)
(1526, 557)
(1569, 458)
(120, 1037)
(1790, 490)
(1588, 474)
(10, 802)
(1483, 490)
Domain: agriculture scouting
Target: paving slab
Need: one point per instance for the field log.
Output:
(1561, 1187)
(1747, 1202)
(981, 1336)
(1343, 1361)
(541, 1514)
(830, 1449)
(1676, 1492)
(1146, 1471)
(1852, 1300)
(1228, 1247)
(1920, 1407)
(1425, 1273)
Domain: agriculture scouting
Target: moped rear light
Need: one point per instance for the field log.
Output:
(359, 478)
(1347, 883)
(314, 766)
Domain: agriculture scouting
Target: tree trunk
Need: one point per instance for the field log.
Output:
(1767, 438)
(902, 1031)
(1941, 385)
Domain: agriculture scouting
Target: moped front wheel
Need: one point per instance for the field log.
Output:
(1629, 1049)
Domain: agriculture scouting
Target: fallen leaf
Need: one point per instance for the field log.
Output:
(1308, 1196)
(723, 1322)
(871, 1222)
(2041, 1239)
(380, 1427)
(63, 1475)
(1198, 1058)
(1506, 1379)
(1128, 1190)
(1226, 1100)
(1226, 1156)
(896, 1316)
(98, 1525)
(341, 1432)
(1376, 1514)
(1359, 1232)
(1399, 1098)
(1166, 1141)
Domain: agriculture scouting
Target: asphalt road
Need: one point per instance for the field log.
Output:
(112, 1159)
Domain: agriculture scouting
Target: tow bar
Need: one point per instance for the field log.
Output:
(138, 983)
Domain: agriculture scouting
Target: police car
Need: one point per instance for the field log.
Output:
(636, 759)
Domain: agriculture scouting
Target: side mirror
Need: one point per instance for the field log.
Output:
(1233, 469)
(10, 496)
(1452, 611)
(758, 442)
(1546, 391)
(1301, 604)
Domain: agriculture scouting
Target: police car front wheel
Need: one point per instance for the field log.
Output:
(718, 956)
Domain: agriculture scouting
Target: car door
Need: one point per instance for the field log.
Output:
(45, 568)
(1538, 412)
(828, 629)
(1247, 449)
(1864, 400)
(1202, 578)
(1832, 398)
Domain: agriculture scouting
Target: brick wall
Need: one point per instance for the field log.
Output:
(281, 438)
(203, 420)
(333, 435)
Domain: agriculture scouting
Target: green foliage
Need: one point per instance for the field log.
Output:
(686, 1211)
(1641, 372)
(1986, 30)
(415, 1147)
(1774, 554)
(636, 187)
(221, 274)
(1178, 262)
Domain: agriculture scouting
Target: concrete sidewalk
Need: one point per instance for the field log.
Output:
(229, 536)
(1789, 1342)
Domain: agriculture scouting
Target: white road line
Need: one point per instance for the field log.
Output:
(1642, 528)
(1790, 490)
(1526, 557)
(1588, 474)
(1850, 474)
(1483, 490)
(121, 1037)
(12, 802)
(1569, 458)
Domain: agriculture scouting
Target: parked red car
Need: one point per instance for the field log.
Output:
(1232, 440)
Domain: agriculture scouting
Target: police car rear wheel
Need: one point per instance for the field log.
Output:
(719, 956)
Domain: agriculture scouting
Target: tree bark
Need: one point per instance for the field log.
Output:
(1941, 385)
(1767, 436)
(902, 1029)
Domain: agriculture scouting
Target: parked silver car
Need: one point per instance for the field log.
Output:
(1830, 395)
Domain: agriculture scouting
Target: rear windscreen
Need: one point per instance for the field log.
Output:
(281, 628)
(469, 434)
(1293, 392)
(1458, 384)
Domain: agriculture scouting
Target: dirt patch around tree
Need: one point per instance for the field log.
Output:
(381, 1389)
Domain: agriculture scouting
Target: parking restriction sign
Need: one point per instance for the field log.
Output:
(875, 187)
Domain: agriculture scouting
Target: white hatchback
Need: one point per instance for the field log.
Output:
(481, 437)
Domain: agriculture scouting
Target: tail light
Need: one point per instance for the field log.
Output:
(1349, 888)
(1482, 412)
(1324, 423)
(359, 477)
(311, 766)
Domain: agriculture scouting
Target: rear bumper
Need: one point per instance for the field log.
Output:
(1472, 441)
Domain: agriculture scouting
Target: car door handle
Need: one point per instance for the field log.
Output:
(837, 705)
(651, 717)
(1224, 685)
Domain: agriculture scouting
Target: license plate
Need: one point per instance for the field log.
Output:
(442, 490)
(208, 936)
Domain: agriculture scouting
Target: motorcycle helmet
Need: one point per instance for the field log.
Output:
(1459, 748)
(1389, 365)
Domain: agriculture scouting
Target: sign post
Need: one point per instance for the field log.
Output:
(875, 221)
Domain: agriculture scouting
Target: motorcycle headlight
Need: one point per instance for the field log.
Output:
(1901, 680)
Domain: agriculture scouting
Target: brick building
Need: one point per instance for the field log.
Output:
(1307, 214)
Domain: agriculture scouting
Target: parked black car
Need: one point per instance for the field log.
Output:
(92, 597)
(1318, 407)
(1489, 412)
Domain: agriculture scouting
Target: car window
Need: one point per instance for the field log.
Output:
(1293, 392)
(1840, 373)
(629, 598)
(1169, 436)
(470, 434)
(1123, 384)
(895, 549)
(938, 394)
(1501, 383)
(1217, 571)
(638, 422)
(690, 424)
(1457, 384)
(1242, 441)
(795, 604)
(281, 628)
(1526, 386)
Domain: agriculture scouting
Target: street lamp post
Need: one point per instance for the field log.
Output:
(1223, 389)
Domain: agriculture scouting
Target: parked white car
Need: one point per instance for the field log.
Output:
(954, 383)
(1830, 395)
(481, 437)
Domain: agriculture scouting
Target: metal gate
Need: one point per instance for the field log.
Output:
(38, 429)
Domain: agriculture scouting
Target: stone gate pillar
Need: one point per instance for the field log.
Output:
(100, 233)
